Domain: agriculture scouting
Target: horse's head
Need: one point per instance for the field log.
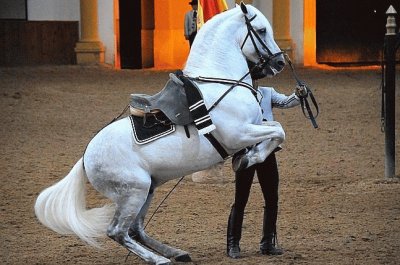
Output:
(258, 44)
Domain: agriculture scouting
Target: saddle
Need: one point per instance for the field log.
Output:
(171, 101)
(180, 102)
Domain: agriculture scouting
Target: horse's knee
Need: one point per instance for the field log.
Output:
(115, 234)
(136, 232)
(277, 134)
(280, 135)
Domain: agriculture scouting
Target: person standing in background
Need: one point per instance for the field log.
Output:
(191, 22)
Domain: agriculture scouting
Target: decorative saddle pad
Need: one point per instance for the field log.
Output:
(148, 129)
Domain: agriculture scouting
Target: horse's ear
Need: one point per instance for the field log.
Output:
(243, 7)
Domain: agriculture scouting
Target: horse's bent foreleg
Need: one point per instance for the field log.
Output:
(268, 130)
(130, 200)
(262, 150)
(137, 232)
(259, 152)
(251, 134)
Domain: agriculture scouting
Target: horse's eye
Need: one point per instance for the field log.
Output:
(262, 31)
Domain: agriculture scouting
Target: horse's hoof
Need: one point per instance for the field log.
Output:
(240, 162)
(183, 258)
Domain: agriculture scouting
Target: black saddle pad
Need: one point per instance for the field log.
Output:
(146, 130)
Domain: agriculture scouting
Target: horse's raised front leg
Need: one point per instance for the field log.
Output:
(137, 233)
(259, 152)
(129, 199)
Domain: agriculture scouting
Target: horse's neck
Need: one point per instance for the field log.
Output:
(212, 56)
(215, 62)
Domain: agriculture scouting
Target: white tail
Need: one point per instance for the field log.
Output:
(62, 208)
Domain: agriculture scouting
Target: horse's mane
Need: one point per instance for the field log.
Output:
(215, 48)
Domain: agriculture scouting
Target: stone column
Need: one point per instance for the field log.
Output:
(89, 50)
(281, 26)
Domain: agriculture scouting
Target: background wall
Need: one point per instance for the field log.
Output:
(47, 35)
(15, 9)
(60, 10)
(170, 47)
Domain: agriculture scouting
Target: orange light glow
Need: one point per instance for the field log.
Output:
(170, 47)
(310, 39)
(117, 56)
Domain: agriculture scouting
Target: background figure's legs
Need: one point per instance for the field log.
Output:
(268, 177)
(244, 179)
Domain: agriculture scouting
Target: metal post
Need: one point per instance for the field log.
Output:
(390, 89)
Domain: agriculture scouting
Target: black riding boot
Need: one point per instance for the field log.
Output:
(234, 233)
(268, 244)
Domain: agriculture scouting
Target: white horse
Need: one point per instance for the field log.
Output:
(128, 173)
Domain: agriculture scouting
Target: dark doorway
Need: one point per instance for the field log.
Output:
(130, 34)
(351, 32)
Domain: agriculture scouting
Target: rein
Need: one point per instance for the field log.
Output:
(226, 81)
(303, 99)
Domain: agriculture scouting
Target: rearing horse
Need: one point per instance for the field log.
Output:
(128, 173)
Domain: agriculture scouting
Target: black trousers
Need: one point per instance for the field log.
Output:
(268, 177)
(191, 38)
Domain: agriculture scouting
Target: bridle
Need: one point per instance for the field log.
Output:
(305, 105)
(252, 33)
(262, 62)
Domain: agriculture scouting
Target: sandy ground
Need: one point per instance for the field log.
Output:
(336, 207)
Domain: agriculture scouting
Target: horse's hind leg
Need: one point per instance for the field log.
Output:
(137, 232)
(129, 199)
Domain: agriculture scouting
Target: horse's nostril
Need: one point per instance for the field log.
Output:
(281, 63)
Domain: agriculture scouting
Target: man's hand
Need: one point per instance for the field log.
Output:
(301, 91)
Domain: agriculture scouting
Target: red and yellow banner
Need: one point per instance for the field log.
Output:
(209, 8)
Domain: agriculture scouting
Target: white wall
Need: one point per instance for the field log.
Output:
(106, 29)
(61, 10)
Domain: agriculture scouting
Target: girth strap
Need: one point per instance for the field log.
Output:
(220, 149)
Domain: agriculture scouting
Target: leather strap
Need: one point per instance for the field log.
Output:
(220, 149)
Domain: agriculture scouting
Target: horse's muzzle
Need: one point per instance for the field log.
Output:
(273, 64)
(277, 62)
(267, 66)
